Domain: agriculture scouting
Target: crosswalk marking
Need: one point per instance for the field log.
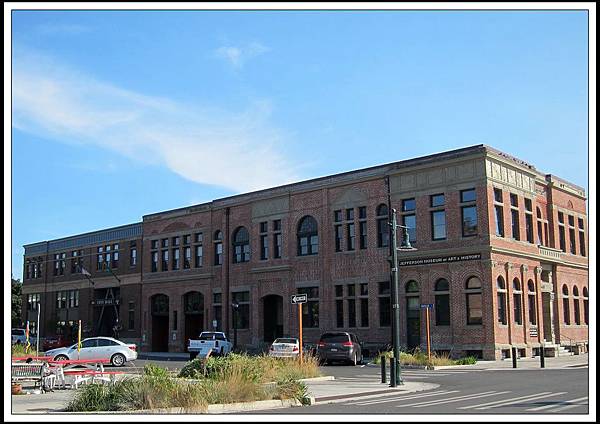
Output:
(447, 400)
(404, 397)
(502, 400)
(507, 402)
(452, 400)
(567, 404)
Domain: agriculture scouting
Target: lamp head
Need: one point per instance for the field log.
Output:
(405, 239)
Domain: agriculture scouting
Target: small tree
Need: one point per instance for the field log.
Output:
(16, 302)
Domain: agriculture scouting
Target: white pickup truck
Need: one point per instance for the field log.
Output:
(210, 342)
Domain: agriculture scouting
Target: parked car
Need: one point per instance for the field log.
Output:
(285, 347)
(54, 342)
(215, 342)
(97, 348)
(340, 346)
(17, 336)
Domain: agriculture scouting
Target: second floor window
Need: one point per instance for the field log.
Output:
(241, 245)
(469, 212)
(218, 242)
(308, 236)
(383, 232)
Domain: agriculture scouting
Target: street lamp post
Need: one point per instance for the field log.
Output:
(234, 308)
(396, 379)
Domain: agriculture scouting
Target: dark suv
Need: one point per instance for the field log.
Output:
(340, 346)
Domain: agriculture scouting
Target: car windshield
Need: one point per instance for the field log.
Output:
(293, 341)
(335, 338)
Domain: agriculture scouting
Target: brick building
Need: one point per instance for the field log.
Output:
(501, 254)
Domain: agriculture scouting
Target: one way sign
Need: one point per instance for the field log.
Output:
(298, 298)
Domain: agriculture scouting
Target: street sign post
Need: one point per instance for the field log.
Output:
(299, 299)
(427, 307)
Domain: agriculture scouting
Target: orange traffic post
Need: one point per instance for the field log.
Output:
(300, 327)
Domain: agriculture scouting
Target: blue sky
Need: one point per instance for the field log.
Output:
(120, 114)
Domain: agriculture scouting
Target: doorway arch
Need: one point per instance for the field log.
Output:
(193, 309)
(272, 317)
(159, 309)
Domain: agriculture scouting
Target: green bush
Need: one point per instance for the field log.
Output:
(469, 360)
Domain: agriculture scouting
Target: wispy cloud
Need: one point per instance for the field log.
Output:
(237, 56)
(241, 151)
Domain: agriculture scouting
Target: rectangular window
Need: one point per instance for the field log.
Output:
(532, 309)
(174, 320)
(383, 235)
(133, 256)
(99, 259)
(339, 313)
(310, 309)
(499, 218)
(165, 242)
(351, 236)
(186, 239)
(362, 212)
(154, 261)
(198, 238)
(468, 195)
(242, 315)
(561, 238)
(410, 221)
(409, 205)
(115, 259)
(131, 316)
(154, 244)
(264, 247)
(442, 309)
(350, 214)
(438, 225)
(514, 213)
(514, 200)
(277, 225)
(217, 311)
(277, 245)
(385, 306)
(219, 253)
(165, 260)
(337, 216)
(528, 205)
(581, 238)
(263, 227)
(198, 260)
(469, 221)
(363, 234)
(518, 311)
(175, 241)
(437, 200)
(175, 259)
(364, 304)
(498, 195)
(338, 238)
(351, 313)
(475, 315)
(187, 258)
(572, 240)
(529, 227)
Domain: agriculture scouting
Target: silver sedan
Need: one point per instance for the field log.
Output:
(97, 348)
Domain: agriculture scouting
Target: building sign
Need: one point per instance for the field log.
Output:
(440, 260)
(105, 302)
(533, 332)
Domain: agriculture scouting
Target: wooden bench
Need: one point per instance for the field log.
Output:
(32, 371)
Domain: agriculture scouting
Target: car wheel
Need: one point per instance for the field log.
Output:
(118, 360)
(61, 358)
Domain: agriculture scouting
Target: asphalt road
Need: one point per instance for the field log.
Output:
(507, 391)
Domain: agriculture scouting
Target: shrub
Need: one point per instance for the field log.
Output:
(469, 360)
(18, 350)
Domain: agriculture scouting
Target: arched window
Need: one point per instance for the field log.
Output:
(241, 245)
(308, 236)
(474, 301)
(501, 298)
(576, 305)
(442, 302)
(531, 302)
(586, 310)
(218, 241)
(566, 311)
(517, 300)
(383, 232)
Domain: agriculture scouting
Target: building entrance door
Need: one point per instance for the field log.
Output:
(547, 299)
(193, 306)
(413, 323)
(160, 322)
(272, 317)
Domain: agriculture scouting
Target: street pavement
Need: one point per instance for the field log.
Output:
(487, 387)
